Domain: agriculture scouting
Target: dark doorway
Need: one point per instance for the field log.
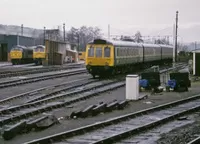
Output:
(3, 52)
(197, 64)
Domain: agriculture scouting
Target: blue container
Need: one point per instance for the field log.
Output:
(171, 83)
(143, 83)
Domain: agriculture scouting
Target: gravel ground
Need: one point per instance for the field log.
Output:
(184, 134)
(7, 92)
(118, 94)
(152, 136)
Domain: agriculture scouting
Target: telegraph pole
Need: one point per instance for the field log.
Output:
(108, 31)
(44, 34)
(22, 30)
(176, 30)
(195, 45)
(64, 31)
(78, 36)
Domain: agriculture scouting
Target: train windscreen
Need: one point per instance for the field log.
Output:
(91, 52)
(98, 52)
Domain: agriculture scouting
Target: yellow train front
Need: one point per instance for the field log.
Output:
(99, 58)
(39, 54)
(21, 55)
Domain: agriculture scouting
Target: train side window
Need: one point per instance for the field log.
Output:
(118, 52)
(98, 52)
(91, 52)
(107, 52)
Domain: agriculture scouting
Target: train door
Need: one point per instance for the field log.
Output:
(3, 52)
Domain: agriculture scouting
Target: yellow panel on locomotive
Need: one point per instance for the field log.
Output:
(21, 54)
(16, 53)
(39, 54)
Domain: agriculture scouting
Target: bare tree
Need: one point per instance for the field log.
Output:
(127, 38)
(83, 35)
(138, 37)
(161, 41)
(182, 47)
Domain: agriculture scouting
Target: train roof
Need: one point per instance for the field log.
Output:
(21, 47)
(32, 47)
(150, 45)
(125, 43)
(40, 46)
(166, 46)
(114, 42)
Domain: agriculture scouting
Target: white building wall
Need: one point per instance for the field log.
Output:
(194, 60)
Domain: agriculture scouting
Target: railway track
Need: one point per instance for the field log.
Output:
(42, 93)
(122, 127)
(45, 91)
(9, 73)
(44, 103)
(195, 141)
(35, 102)
(41, 78)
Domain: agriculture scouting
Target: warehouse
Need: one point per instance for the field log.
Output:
(8, 41)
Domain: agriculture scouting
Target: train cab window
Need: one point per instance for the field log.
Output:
(80, 54)
(37, 50)
(42, 50)
(98, 52)
(107, 52)
(91, 52)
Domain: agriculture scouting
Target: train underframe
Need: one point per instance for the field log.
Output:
(106, 71)
(38, 61)
(21, 61)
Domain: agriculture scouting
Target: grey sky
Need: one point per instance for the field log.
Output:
(122, 15)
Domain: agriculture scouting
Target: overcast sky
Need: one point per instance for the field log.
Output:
(120, 14)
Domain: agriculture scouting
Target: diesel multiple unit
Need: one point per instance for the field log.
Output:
(105, 57)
